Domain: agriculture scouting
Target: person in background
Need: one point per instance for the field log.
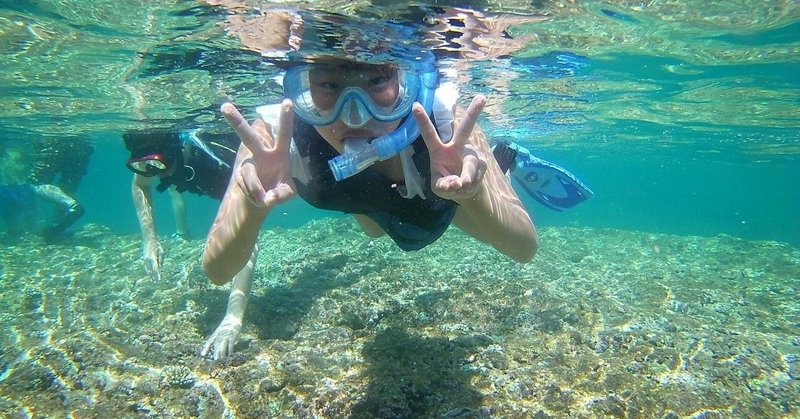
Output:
(19, 204)
(181, 162)
(185, 161)
(21, 194)
(60, 161)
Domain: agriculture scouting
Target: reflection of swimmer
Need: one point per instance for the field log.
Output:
(19, 204)
(469, 37)
(470, 34)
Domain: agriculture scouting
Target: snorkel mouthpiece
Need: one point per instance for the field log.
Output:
(363, 155)
(358, 155)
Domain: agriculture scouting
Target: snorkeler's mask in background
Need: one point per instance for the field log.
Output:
(149, 165)
(153, 152)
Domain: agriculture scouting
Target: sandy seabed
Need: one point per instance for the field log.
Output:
(604, 323)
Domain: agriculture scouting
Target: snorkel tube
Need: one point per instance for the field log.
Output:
(358, 156)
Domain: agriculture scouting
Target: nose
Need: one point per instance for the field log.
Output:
(355, 114)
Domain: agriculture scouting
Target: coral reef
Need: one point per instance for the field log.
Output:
(603, 323)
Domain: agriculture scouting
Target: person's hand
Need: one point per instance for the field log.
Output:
(266, 176)
(457, 167)
(153, 256)
(223, 339)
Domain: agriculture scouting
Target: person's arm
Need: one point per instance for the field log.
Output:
(464, 171)
(261, 180)
(70, 211)
(233, 234)
(152, 254)
(496, 215)
(224, 338)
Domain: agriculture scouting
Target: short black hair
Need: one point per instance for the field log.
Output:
(153, 141)
(157, 141)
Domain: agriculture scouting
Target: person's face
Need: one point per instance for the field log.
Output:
(379, 82)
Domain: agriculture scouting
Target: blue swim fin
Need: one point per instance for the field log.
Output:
(551, 185)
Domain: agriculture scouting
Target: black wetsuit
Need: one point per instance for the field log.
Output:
(412, 223)
(201, 173)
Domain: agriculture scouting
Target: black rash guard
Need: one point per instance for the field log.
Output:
(202, 174)
(412, 223)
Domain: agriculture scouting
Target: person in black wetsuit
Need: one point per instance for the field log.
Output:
(182, 161)
(194, 162)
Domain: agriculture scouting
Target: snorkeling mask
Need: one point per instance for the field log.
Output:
(149, 165)
(153, 152)
(320, 102)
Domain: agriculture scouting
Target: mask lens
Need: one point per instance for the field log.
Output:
(148, 166)
(322, 93)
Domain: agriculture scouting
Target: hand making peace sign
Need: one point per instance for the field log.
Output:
(457, 167)
(265, 176)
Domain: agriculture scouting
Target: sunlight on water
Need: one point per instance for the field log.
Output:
(81, 65)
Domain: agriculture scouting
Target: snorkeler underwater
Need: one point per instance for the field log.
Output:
(228, 208)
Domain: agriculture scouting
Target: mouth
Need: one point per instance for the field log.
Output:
(360, 137)
(359, 134)
(356, 144)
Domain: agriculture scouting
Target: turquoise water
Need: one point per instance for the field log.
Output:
(682, 119)
(671, 293)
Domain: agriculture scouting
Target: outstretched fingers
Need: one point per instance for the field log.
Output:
(464, 128)
(285, 125)
(265, 175)
(247, 134)
(426, 128)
